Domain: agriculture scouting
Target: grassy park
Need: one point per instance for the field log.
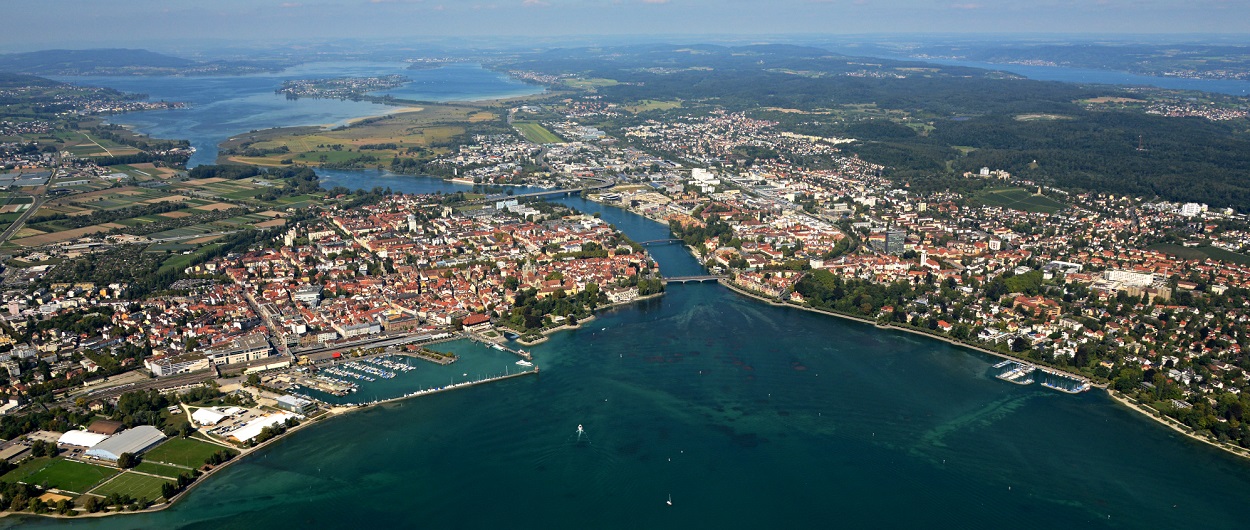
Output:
(1019, 199)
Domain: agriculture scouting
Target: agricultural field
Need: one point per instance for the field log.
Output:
(79, 143)
(536, 133)
(652, 104)
(60, 473)
(1019, 199)
(415, 134)
(133, 484)
(591, 83)
(187, 452)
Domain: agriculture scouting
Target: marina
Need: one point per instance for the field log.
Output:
(344, 381)
(1024, 374)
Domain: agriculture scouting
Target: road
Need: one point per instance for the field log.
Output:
(21, 220)
(275, 336)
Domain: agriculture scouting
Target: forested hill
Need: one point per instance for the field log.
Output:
(75, 62)
(8, 80)
(121, 61)
(943, 120)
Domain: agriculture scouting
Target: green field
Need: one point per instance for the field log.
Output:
(652, 104)
(1202, 252)
(536, 133)
(181, 261)
(182, 452)
(591, 83)
(161, 469)
(1019, 199)
(134, 485)
(60, 473)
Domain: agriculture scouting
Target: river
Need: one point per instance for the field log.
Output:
(747, 415)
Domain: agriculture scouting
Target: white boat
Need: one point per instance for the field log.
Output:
(670, 499)
(524, 362)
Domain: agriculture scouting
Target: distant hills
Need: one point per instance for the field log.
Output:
(8, 80)
(122, 61)
(78, 62)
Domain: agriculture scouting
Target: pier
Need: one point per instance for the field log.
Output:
(435, 390)
(519, 353)
(1016, 372)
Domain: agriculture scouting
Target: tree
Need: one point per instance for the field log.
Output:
(168, 490)
(127, 461)
(253, 379)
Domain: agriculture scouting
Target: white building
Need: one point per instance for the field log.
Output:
(1138, 279)
(134, 440)
(1192, 209)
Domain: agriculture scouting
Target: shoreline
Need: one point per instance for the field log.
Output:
(1172, 423)
(1144, 410)
(333, 412)
(954, 342)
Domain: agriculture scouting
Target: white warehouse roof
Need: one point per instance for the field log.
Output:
(253, 428)
(133, 441)
(207, 416)
(81, 438)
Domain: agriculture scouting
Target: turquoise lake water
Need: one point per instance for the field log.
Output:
(225, 106)
(749, 416)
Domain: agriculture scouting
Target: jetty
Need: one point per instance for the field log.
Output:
(492, 344)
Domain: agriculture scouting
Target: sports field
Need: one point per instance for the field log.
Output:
(134, 485)
(187, 452)
(60, 473)
(161, 469)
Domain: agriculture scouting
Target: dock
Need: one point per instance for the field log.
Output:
(1016, 372)
(519, 353)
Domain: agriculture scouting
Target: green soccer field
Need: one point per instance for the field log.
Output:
(182, 451)
(61, 474)
(134, 485)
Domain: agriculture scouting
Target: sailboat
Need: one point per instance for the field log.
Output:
(670, 499)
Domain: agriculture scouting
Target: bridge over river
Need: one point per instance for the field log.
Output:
(565, 192)
(698, 278)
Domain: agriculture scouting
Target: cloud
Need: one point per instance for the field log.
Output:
(965, 6)
(655, 1)
(290, 5)
(535, 3)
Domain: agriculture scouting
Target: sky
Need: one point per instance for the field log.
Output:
(42, 24)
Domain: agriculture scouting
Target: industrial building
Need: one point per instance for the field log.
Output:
(134, 440)
(81, 439)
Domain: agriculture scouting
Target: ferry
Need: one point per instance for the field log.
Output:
(524, 362)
